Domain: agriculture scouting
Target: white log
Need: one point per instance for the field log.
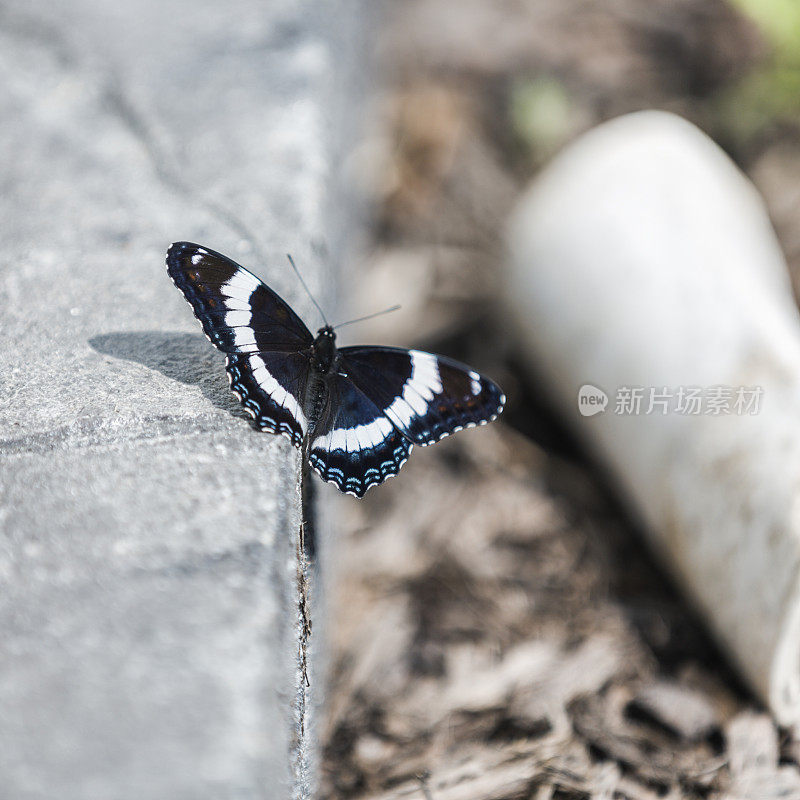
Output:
(642, 257)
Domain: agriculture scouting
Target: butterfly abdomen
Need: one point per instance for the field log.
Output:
(316, 399)
(323, 366)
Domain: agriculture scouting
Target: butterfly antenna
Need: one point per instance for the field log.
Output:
(308, 291)
(369, 316)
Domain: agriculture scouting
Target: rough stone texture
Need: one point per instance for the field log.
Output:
(147, 639)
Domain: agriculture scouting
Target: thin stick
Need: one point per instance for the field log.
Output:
(303, 563)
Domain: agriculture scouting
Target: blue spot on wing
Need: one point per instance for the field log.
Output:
(356, 472)
(267, 414)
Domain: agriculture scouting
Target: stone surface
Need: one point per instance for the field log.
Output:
(147, 532)
(642, 259)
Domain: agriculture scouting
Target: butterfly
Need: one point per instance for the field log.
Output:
(355, 412)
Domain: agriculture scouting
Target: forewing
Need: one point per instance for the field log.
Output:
(426, 397)
(355, 446)
(239, 313)
(266, 343)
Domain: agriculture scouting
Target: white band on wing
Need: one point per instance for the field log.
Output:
(278, 393)
(422, 385)
(353, 440)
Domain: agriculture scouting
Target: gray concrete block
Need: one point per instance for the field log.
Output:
(147, 531)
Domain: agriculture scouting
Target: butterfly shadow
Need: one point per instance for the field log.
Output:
(184, 357)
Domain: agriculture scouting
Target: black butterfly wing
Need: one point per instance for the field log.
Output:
(266, 343)
(271, 387)
(426, 397)
(354, 445)
(238, 311)
(384, 401)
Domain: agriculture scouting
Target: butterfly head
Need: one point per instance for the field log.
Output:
(325, 349)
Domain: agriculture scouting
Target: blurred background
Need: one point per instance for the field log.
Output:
(499, 627)
(496, 627)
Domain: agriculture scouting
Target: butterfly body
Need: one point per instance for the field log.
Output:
(325, 354)
(356, 412)
(324, 361)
